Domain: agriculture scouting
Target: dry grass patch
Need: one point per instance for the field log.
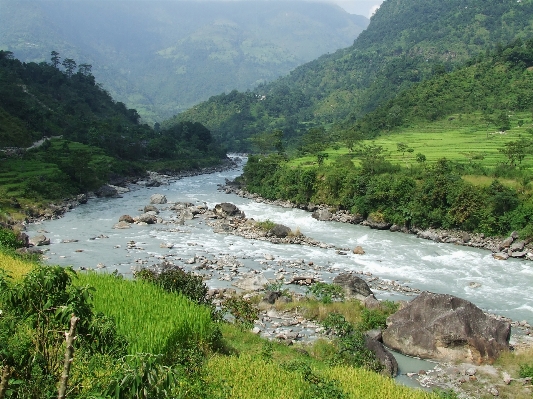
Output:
(313, 309)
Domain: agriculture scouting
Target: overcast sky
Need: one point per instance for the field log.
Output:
(360, 7)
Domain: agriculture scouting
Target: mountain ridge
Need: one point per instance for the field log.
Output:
(163, 57)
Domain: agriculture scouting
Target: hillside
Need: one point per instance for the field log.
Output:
(405, 43)
(162, 57)
(92, 137)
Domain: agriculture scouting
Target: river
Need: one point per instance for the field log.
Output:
(501, 287)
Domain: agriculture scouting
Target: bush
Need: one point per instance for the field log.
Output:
(526, 371)
(244, 312)
(175, 279)
(327, 293)
(9, 239)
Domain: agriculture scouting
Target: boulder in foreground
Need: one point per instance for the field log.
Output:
(444, 327)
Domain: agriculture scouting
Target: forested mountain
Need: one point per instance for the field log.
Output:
(406, 42)
(162, 57)
(94, 137)
(495, 84)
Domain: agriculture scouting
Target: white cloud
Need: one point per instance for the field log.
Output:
(360, 7)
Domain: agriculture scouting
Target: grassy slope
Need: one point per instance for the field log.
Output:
(243, 375)
(458, 138)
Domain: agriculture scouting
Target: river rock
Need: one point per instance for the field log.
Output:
(358, 250)
(227, 209)
(29, 251)
(122, 225)
(39, 240)
(445, 327)
(255, 282)
(126, 218)
(158, 199)
(506, 243)
(500, 256)
(106, 191)
(147, 218)
(151, 208)
(280, 231)
(384, 357)
(322, 215)
(370, 302)
(271, 297)
(518, 246)
(82, 198)
(354, 287)
(377, 224)
(395, 228)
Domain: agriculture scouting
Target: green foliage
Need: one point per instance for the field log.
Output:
(244, 312)
(350, 342)
(9, 239)
(526, 370)
(82, 136)
(266, 225)
(326, 293)
(404, 45)
(175, 279)
(377, 318)
(141, 376)
(433, 195)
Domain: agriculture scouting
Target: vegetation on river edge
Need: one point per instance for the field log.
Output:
(136, 339)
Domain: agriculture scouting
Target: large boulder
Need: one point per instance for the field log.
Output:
(444, 327)
(254, 282)
(147, 218)
(227, 209)
(39, 240)
(279, 231)
(354, 287)
(322, 214)
(106, 191)
(373, 342)
(151, 208)
(126, 218)
(122, 225)
(158, 199)
(376, 222)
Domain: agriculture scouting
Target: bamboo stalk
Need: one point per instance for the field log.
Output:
(69, 357)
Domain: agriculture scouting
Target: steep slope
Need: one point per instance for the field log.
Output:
(162, 57)
(406, 42)
(61, 134)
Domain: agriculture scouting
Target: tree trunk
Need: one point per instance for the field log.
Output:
(69, 353)
(6, 373)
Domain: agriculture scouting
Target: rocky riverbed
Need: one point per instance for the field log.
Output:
(502, 248)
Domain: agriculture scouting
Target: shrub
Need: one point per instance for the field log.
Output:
(266, 225)
(526, 371)
(326, 293)
(9, 239)
(377, 318)
(244, 312)
(175, 279)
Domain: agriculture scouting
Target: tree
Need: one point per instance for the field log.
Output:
(69, 65)
(516, 151)
(85, 69)
(55, 59)
(350, 137)
(320, 157)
